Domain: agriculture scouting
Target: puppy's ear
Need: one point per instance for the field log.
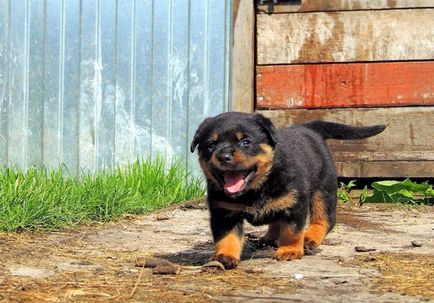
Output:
(198, 134)
(195, 140)
(267, 127)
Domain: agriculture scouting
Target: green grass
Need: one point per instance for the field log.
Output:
(42, 199)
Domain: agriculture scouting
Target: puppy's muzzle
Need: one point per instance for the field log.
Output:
(225, 155)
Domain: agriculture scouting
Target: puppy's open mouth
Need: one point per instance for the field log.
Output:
(236, 181)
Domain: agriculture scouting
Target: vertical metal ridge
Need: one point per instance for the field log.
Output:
(43, 83)
(228, 56)
(26, 84)
(169, 73)
(207, 59)
(115, 99)
(206, 63)
(97, 110)
(79, 85)
(152, 81)
(8, 81)
(133, 74)
(62, 76)
(187, 125)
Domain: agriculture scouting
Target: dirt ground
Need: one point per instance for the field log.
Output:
(97, 263)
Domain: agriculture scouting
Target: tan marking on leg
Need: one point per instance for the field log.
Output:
(228, 250)
(290, 244)
(318, 226)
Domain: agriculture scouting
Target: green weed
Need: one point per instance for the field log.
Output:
(344, 191)
(406, 191)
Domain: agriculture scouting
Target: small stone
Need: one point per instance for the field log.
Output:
(363, 249)
(213, 265)
(253, 271)
(416, 243)
(298, 276)
(84, 262)
(162, 217)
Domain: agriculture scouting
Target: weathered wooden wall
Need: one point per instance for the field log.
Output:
(343, 5)
(356, 62)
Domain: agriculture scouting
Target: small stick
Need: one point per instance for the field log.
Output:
(137, 282)
(151, 262)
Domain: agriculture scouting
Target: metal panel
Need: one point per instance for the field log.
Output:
(97, 83)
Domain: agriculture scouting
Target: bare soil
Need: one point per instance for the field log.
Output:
(97, 263)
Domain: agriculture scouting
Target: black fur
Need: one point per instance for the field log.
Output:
(331, 130)
(300, 166)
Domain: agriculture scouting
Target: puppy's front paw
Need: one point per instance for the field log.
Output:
(287, 253)
(229, 262)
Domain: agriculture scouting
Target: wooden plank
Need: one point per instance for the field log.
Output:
(341, 5)
(243, 58)
(345, 85)
(404, 149)
(386, 169)
(381, 35)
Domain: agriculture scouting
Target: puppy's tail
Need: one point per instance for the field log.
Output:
(332, 130)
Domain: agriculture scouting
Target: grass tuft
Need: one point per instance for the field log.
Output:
(42, 199)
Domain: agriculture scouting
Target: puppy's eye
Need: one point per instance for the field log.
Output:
(245, 142)
(211, 146)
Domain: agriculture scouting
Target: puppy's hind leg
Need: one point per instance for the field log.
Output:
(322, 214)
(272, 236)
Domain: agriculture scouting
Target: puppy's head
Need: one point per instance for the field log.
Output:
(235, 151)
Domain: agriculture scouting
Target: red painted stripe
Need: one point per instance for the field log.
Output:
(345, 85)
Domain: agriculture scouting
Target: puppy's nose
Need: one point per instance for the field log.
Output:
(225, 157)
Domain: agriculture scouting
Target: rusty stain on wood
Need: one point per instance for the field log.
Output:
(345, 85)
(380, 35)
(388, 154)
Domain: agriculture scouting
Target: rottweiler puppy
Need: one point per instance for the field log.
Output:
(285, 178)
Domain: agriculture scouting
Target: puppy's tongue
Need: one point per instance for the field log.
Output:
(234, 181)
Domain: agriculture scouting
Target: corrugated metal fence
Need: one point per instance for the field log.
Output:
(98, 82)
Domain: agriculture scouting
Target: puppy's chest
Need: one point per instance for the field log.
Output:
(263, 211)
